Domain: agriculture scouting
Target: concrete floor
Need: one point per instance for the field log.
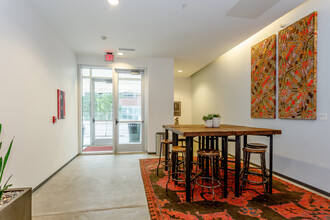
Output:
(94, 187)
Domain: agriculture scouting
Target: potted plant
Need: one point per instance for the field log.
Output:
(14, 203)
(208, 120)
(216, 120)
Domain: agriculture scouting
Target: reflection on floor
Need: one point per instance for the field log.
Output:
(97, 148)
(94, 187)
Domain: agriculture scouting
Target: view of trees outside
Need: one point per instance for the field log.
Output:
(103, 107)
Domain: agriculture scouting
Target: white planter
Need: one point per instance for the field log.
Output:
(215, 122)
(209, 123)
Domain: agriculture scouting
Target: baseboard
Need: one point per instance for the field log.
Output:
(46, 180)
(303, 184)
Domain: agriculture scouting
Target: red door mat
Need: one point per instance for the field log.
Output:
(98, 148)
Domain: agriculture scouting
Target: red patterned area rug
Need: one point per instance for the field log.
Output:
(287, 201)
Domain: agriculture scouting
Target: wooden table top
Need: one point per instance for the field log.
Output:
(223, 130)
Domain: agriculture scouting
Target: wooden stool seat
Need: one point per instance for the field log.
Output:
(178, 149)
(166, 141)
(214, 153)
(254, 150)
(256, 145)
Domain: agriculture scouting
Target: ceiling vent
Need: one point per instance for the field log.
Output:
(251, 9)
(126, 49)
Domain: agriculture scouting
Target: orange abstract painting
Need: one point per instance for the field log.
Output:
(297, 69)
(263, 79)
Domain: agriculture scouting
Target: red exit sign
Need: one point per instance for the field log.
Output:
(109, 57)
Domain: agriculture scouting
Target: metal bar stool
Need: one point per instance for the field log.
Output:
(254, 148)
(207, 155)
(174, 171)
(166, 161)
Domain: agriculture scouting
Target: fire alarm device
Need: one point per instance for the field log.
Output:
(54, 119)
(109, 57)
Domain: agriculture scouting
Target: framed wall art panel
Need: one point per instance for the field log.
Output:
(263, 79)
(60, 104)
(297, 69)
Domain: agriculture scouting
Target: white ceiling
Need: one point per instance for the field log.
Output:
(193, 32)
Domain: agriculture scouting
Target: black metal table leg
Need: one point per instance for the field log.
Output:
(174, 156)
(270, 181)
(166, 150)
(237, 163)
(189, 149)
(216, 175)
(225, 165)
(207, 160)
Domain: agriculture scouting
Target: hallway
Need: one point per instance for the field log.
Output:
(94, 187)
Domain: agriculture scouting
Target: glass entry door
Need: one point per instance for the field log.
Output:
(102, 113)
(112, 110)
(129, 122)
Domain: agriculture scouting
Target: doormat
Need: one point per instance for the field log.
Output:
(98, 148)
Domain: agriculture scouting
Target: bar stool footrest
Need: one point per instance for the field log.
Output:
(206, 186)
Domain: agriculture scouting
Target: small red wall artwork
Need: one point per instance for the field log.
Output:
(60, 104)
(297, 69)
(263, 79)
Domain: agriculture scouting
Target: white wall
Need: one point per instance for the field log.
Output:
(34, 63)
(158, 92)
(182, 92)
(302, 151)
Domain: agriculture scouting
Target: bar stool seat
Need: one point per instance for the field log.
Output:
(166, 141)
(178, 149)
(165, 162)
(254, 148)
(208, 153)
(256, 145)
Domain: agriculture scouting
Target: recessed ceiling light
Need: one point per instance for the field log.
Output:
(120, 53)
(180, 71)
(113, 2)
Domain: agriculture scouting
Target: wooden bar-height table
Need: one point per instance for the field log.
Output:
(191, 131)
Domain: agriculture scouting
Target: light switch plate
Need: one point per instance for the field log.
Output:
(323, 116)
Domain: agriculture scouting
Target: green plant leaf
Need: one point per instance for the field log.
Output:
(6, 158)
(7, 182)
(0, 167)
(0, 128)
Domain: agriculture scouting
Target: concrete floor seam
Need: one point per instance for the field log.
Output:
(91, 210)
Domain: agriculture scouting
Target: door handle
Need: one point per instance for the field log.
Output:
(93, 120)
